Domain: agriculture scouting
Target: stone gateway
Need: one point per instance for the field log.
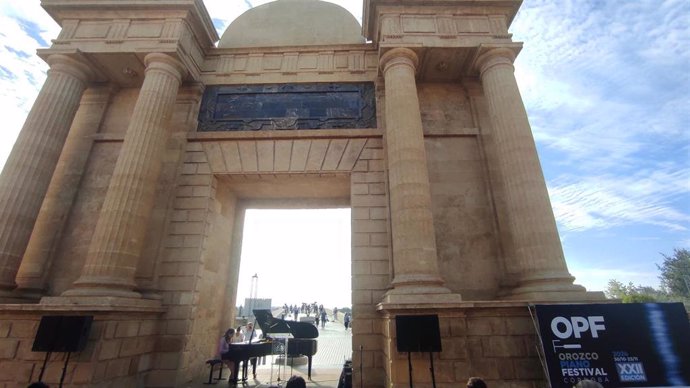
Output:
(124, 196)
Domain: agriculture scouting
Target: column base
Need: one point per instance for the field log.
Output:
(420, 295)
(108, 286)
(551, 287)
(102, 301)
(105, 292)
(29, 295)
(13, 297)
(151, 295)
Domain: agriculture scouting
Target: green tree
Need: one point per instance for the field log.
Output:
(631, 293)
(675, 273)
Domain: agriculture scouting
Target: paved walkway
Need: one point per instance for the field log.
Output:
(334, 347)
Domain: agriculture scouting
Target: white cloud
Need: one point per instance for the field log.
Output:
(606, 87)
(596, 279)
(605, 201)
(610, 63)
(24, 27)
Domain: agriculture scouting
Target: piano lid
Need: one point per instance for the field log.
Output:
(269, 324)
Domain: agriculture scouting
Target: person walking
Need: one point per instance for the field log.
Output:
(324, 317)
(335, 314)
(346, 320)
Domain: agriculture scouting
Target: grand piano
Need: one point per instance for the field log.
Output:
(303, 342)
(243, 352)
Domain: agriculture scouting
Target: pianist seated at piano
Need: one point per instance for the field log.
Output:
(224, 347)
(302, 342)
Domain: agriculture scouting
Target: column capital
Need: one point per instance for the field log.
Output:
(495, 57)
(165, 63)
(399, 56)
(64, 64)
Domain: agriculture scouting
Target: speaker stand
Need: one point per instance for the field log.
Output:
(409, 366)
(361, 370)
(64, 369)
(43, 368)
(431, 363)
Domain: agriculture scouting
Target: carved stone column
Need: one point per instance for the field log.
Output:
(416, 271)
(536, 248)
(117, 241)
(61, 193)
(29, 168)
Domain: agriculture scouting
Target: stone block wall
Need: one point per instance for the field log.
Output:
(494, 340)
(371, 268)
(118, 352)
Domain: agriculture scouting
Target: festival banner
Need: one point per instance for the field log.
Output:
(617, 345)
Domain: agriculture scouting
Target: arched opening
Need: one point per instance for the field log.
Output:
(294, 259)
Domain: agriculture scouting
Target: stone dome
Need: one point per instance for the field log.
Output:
(293, 23)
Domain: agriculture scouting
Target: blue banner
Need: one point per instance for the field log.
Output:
(617, 345)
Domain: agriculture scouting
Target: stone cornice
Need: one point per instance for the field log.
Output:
(68, 11)
(372, 10)
(280, 64)
(115, 36)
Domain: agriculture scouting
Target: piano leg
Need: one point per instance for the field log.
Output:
(309, 369)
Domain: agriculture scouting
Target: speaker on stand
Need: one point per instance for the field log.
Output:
(62, 334)
(418, 333)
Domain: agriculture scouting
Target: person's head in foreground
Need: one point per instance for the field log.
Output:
(588, 384)
(476, 382)
(296, 382)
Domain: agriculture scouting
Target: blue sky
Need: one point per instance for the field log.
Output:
(606, 84)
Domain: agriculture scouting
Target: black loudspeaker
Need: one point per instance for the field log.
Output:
(60, 333)
(418, 333)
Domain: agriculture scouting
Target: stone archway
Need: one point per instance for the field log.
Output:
(223, 174)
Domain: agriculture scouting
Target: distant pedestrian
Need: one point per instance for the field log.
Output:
(335, 314)
(346, 320)
(324, 317)
(476, 382)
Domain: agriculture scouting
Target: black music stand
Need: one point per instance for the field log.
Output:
(418, 333)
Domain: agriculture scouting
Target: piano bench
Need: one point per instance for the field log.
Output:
(212, 364)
